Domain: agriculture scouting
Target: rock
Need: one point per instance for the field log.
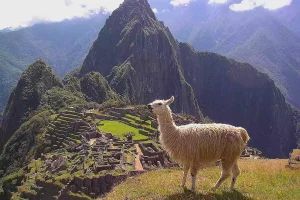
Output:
(95, 182)
(96, 190)
(108, 179)
(73, 188)
(85, 190)
(87, 182)
(78, 182)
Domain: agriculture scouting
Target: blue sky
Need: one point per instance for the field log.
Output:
(23, 13)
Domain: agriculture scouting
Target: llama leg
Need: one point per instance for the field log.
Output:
(194, 171)
(225, 174)
(235, 172)
(186, 168)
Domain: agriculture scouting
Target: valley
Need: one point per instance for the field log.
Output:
(86, 154)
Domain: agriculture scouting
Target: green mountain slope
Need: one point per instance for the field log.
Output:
(26, 97)
(62, 45)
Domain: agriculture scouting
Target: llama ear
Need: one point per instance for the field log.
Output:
(171, 100)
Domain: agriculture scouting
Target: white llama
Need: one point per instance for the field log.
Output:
(197, 145)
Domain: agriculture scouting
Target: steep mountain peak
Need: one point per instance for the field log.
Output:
(26, 97)
(132, 44)
(137, 7)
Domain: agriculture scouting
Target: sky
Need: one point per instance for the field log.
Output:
(23, 13)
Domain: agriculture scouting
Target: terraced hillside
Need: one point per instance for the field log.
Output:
(90, 153)
(126, 120)
(67, 127)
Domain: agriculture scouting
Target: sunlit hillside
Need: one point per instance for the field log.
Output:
(260, 179)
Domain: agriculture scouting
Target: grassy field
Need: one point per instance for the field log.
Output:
(260, 179)
(118, 129)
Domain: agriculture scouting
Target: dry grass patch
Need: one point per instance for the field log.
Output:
(260, 179)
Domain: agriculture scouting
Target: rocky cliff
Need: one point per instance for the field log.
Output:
(236, 93)
(141, 60)
(26, 97)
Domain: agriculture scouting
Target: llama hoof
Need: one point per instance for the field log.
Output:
(213, 189)
(181, 185)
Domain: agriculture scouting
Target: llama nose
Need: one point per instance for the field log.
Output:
(149, 106)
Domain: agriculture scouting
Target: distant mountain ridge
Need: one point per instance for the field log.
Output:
(268, 40)
(62, 45)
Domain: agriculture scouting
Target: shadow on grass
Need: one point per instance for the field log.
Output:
(225, 195)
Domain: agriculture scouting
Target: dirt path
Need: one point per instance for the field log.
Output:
(138, 165)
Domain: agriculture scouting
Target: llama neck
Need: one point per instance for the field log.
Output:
(166, 123)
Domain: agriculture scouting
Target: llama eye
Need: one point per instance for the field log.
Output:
(159, 104)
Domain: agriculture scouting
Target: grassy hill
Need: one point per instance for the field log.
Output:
(260, 179)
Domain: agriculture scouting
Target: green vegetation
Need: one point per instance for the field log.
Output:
(143, 123)
(260, 179)
(27, 142)
(118, 129)
(26, 97)
(79, 195)
(58, 98)
(63, 45)
(96, 87)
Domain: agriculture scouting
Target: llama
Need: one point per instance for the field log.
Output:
(200, 145)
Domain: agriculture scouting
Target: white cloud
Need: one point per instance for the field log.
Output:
(23, 13)
(180, 2)
(217, 1)
(155, 10)
(267, 4)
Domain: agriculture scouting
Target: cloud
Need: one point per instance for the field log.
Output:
(217, 1)
(23, 13)
(267, 4)
(180, 2)
(155, 10)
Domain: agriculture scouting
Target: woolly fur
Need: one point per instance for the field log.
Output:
(198, 145)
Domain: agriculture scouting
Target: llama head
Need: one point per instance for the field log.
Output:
(160, 106)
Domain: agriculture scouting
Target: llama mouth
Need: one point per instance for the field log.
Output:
(150, 108)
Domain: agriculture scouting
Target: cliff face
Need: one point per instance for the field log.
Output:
(236, 93)
(141, 60)
(26, 97)
(138, 56)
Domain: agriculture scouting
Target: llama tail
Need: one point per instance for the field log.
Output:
(244, 135)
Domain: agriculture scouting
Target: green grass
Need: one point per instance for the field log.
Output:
(260, 179)
(118, 129)
(137, 118)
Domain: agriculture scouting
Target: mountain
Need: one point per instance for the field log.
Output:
(137, 54)
(142, 61)
(26, 97)
(268, 40)
(63, 45)
(290, 16)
